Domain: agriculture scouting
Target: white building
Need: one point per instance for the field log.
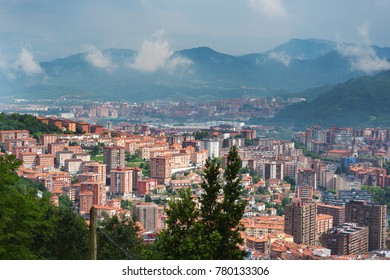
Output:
(212, 147)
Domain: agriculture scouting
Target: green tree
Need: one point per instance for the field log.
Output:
(213, 232)
(8, 167)
(118, 239)
(70, 241)
(185, 236)
(199, 135)
(65, 202)
(233, 207)
(148, 198)
(30, 226)
(126, 204)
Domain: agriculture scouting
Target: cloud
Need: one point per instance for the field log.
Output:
(270, 8)
(280, 57)
(363, 57)
(27, 64)
(156, 54)
(96, 58)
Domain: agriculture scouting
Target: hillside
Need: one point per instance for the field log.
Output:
(359, 102)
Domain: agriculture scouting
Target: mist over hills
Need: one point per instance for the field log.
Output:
(196, 74)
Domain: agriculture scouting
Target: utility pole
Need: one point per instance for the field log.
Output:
(92, 233)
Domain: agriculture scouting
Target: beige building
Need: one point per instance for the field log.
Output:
(121, 180)
(147, 215)
(324, 223)
(73, 166)
(97, 168)
(113, 157)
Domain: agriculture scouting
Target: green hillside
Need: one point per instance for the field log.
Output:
(359, 102)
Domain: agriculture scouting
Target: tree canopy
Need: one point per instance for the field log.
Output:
(26, 122)
(30, 226)
(118, 239)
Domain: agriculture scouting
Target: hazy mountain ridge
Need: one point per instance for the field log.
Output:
(192, 73)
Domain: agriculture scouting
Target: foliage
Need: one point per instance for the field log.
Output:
(286, 201)
(8, 167)
(262, 190)
(289, 180)
(213, 231)
(245, 170)
(185, 236)
(148, 198)
(126, 204)
(332, 191)
(279, 209)
(145, 168)
(380, 195)
(200, 135)
(33, 228)
(70, 241)
(96, 150)
(228, 222)
(118, 239)
(65, 202)
(248, 142)
(23, 182)
(26, 122)
(136, 157)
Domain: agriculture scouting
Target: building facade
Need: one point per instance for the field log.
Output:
(300, 221)
(371, 215)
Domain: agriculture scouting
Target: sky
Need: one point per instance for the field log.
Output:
(41, 30)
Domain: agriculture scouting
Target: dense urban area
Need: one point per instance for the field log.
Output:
(319, 193)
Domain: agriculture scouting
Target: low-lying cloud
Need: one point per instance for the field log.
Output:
(156, 54)
(27, 64)
(97, 58)
(280, 57)
(363, 57)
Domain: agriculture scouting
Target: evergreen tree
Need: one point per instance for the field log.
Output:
(213, 231)
(233, 207)
(185, 236)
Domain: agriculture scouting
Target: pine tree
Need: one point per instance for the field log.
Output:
(224, 217)
(213, 231)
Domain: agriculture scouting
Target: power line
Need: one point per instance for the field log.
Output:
(116, 245)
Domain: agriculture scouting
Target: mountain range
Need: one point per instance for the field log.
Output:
(198, 73)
